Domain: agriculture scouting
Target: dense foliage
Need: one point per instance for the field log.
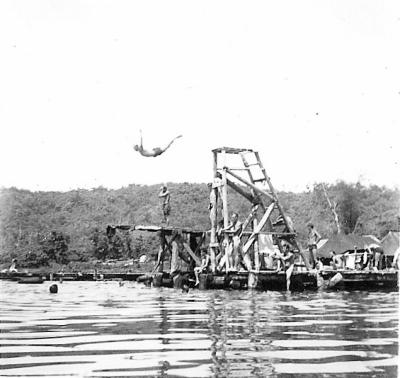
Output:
(39, 228)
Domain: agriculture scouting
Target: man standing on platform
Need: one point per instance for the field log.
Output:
(233, 256)
(165, 196)
(313, 238)
(288, 263)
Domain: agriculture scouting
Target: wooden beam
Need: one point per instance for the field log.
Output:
(258, 228)
(200, 243)
(225, 210)
(244, 181)
(247, 165)
(192, 254)
(241, 191)
(231, 150)
(161, 253)
(256, 248)
(175, 266)
(248, 219)
(214, 215)
(235, 169)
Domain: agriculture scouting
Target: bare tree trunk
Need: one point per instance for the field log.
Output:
(332, 206)
(356, 225)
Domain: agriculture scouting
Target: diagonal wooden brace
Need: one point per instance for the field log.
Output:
(192, 254)
(244, 181)
(259, 227)
(249, 218)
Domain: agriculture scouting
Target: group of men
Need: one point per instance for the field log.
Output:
(232, 242)
(229, 238)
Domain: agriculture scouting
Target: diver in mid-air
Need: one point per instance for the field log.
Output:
(154, 152)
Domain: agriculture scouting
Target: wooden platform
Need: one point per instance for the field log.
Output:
(165, 229)
(363, 280)
(72, 276)
(264, 280)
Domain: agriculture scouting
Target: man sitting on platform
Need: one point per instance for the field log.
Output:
(205, 261)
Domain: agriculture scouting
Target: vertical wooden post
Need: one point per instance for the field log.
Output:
(225, 209)
(175, 266)
(214, 216)
(161, 253)
(256, 250)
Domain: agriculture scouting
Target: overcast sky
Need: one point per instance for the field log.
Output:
(313, 85)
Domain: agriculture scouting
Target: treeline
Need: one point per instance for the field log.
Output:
(41, 228)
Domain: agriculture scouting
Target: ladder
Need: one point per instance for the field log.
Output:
(262, 194)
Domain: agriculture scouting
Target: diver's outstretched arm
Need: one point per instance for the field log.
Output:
(141, 138)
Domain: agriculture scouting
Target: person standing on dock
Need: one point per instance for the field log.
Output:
(236, 227)
(313, 238)
(165, 197)
(288, 263)
(336, 261)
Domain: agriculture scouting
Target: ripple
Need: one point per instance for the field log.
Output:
(330, 343)
(334, 367)
(100, 329)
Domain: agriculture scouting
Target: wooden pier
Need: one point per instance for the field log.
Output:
(228, 258)
(263, 280)
(361, 280)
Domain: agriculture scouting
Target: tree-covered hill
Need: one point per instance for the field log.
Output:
(38, 228)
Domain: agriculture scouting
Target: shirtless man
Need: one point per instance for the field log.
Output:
(205, 260)
(165, 196)
(154, 152)
(313, 238)
(336, 261)
(288, 263)
(233, 256)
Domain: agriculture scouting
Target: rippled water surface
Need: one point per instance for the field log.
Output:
(102, 329)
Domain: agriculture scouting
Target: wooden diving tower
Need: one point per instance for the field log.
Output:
(239, 170)
(249, 178)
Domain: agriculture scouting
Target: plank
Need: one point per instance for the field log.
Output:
(258, 228)
(192, 254)
(244, 181)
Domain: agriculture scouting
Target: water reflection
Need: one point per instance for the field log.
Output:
(101, 329)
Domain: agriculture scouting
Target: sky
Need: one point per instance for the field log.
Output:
(314, 86)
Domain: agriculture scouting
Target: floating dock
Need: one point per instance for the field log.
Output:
(361, 280)
(263, 280)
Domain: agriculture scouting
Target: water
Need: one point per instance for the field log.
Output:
(102, 329)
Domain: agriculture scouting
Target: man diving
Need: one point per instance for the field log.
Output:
(154, 152)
